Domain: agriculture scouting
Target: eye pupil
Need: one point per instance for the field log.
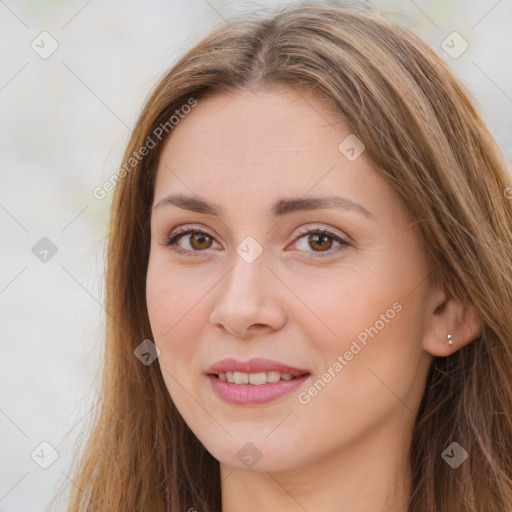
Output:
(320, 239)
(200, 239)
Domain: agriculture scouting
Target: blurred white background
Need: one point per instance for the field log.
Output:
(65, 120)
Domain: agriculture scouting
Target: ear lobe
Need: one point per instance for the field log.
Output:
(449, 315)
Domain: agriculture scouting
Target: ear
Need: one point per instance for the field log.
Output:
(446, 315)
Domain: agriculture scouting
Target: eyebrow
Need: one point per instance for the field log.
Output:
(280, 207)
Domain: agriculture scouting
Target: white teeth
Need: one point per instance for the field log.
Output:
(256, 379)
(241, 378)
(273, 376)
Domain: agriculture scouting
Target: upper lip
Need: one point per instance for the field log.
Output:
(254, 366)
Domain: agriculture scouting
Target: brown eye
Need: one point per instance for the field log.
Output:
(200, 241)
(194, 241)
(320, 242)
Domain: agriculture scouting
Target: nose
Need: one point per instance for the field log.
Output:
(249, 300)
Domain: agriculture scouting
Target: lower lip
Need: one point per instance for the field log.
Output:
(248, 394)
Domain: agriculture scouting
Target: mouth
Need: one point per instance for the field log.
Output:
(257, 378)
(254, 382)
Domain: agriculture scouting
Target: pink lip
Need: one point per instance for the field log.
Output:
(248, 394)
(254, 366)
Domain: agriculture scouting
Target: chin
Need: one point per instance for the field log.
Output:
(254, 454)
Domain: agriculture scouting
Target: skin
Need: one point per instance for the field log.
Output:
(347, 447)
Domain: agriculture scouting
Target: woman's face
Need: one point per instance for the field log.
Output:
(300, 256)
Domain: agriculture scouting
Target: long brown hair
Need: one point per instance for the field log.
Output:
(422, 131)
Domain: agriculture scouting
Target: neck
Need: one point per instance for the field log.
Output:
(374, 475)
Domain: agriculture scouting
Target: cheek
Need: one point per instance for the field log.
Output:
(176, 313)
(171, 295)
(337, 305)
(371, 314)
(371, 370)
(378, 358)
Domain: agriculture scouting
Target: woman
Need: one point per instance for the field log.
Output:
(309, 283)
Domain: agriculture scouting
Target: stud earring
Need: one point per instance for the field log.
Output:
(450, 339)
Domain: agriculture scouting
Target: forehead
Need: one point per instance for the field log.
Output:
(249, 148)
(245, 123)
(268, 136)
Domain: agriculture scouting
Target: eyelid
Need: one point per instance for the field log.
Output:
(308, 228)
(187, 228)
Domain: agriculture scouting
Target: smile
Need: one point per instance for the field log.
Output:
(254, 382)
(256, 379)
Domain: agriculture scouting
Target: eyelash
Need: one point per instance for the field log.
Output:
(182, 231)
